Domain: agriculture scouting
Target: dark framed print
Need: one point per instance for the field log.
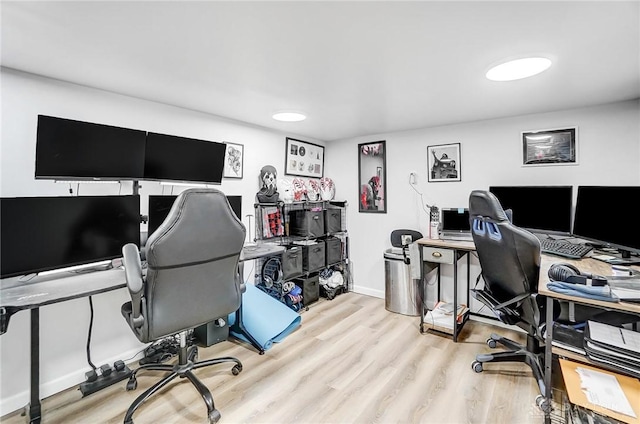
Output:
(443, 161)
(233, 160)
(372, 177)
(550, 147)
(303, 159)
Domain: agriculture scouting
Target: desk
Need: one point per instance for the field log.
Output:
(440, 252)
(585, 265)
(17, 295)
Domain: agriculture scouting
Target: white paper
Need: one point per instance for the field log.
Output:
(614, 336)
(604, 390)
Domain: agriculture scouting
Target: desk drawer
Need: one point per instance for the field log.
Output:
(435, 254)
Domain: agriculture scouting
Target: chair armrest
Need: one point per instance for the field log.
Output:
(135, 283)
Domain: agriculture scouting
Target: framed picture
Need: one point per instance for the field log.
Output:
(303, 159)
(443, 161)
(372, 178)
(233, 160)
(549, 147)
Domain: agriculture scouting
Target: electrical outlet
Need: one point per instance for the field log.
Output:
(413, 177)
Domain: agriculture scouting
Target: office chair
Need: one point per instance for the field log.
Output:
(510, 260)
(192, 278)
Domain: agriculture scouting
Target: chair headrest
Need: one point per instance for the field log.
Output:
(486, 204)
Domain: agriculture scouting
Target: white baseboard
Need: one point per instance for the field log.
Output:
(369, 291)
(48, 388)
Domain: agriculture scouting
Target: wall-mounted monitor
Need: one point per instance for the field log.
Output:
(74, 150)
(180, 159)
(45, 233)
(159, 207)
(541, 209)
(608, 215)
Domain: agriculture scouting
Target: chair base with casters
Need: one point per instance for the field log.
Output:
(187, 363)
(531, 354)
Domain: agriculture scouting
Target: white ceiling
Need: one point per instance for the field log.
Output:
(356, 68)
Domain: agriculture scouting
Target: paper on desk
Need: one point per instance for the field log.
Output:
(604, 390)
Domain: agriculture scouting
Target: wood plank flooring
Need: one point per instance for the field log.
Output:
(351, 361)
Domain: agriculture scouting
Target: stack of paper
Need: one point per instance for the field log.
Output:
(614, 346)
(441, 317)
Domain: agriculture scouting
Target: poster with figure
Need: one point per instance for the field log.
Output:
(233, 160)
(444, 162)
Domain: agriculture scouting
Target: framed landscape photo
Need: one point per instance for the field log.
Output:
(443, 161)
(303, 159)
(233, 160)
(550, 147)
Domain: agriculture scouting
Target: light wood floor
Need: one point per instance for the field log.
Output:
(351, 361)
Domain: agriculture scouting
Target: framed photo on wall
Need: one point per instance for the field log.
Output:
(443, 161)
(233, 160)
(550, 147)
(303, 159)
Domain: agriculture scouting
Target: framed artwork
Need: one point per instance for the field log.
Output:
(443, 161)
(549, 147)
(372, 177)
(233, 160)
(303, 159)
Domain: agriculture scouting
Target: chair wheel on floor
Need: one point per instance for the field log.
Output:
(476, 366)
(236, 369)
(132, 384)
(543, 403)
(491, 343)
(214, 416)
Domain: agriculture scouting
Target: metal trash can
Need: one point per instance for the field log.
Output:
(401, 291)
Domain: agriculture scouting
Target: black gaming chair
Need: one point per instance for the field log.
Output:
(192, 279)
(510, 260)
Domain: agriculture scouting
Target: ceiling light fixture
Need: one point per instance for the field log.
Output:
(518, 69)
(289, 116)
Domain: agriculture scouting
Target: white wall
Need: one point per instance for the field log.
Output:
(608, 154)
(64, 326)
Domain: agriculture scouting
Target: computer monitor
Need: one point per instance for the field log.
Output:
(181, 159)
(45, 233)
(608, 215)
(159, 207)
(76, 150)
(541, 209)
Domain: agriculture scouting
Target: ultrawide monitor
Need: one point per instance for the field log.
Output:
(76, 150)
(45, 233)
(608, 215)
(172, 158)
(542, 209)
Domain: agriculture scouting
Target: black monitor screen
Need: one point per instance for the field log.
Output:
(608, 214)
(76, 150)
(455, 220)
(544, 209)
(44, 233)
(159, 207)
(171, 158)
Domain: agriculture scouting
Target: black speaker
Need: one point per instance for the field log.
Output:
(570, 274)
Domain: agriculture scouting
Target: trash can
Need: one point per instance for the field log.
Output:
(401, 291)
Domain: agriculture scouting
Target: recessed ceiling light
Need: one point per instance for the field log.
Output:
(518, 69)
(289, 116)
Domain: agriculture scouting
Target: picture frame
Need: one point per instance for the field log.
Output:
(443, 163)
(372, 177)
(550, 147)
(233, 160)
(303, 159)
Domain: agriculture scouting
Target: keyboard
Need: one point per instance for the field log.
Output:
(562, 248)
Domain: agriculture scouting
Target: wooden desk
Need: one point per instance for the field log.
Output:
(586, 265)
(440, 252)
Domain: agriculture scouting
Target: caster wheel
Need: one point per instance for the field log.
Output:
(236, 369)
(476, 366)
(262, 352)
(492, 343)
(132, 384)
(214, 416)
(543, 403)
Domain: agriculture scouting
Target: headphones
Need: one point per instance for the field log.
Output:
(272, 272)
(570, 274)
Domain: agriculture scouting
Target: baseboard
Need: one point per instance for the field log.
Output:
(369, 291)
(48, 388)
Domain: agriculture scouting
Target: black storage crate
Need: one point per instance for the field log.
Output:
(313, 257)
(333, 220)
(292, 262)
(333, 250)
(306, 223)
(310, 288)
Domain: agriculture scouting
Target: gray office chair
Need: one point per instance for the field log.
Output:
(510, 260)
(192, 278)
